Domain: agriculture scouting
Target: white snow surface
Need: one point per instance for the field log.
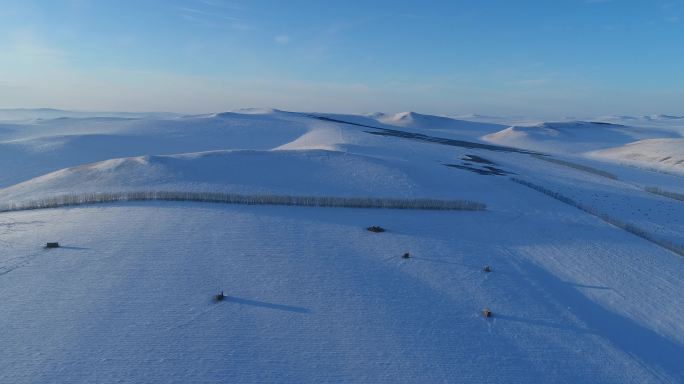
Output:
(311, 295)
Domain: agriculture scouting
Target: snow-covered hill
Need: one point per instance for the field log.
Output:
(439, 124)
(665, 154)
(648, 142)
(574, 136)
(41, 147)
(586, 260)
(313, 172)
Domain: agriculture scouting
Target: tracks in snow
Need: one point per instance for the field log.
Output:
(670, 246)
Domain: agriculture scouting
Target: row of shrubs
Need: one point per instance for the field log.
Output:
(644, 234)
(584, 168)
(671, 195)
(232, 198)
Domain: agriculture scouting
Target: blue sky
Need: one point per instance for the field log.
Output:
(528, 57)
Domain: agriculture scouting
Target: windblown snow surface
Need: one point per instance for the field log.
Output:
(587, 266)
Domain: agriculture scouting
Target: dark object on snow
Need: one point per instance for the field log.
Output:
(219, 296)
(486, 313)
(375, 229)
(484, 170)
(478, 159)
(52, 245)
(487, 269)
(406, 256)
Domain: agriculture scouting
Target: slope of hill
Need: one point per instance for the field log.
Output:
(665, 154)
(129, 296)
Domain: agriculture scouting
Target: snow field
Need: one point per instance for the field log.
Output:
(312, 295)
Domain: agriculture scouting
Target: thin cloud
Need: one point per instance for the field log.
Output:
(671, 11)
(201, 13)
(222, 4)
(26, 46)
(214, 14)
(282, 39)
